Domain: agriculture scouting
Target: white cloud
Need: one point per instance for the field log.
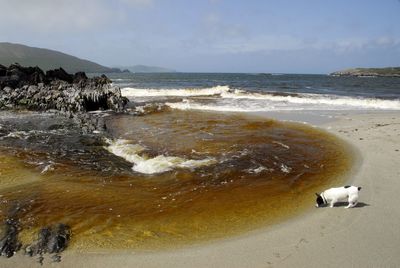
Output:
(241, 43)
(48, 15)
(218, 34)
(211, 19)
(138, 3)
(353, 44)
(261, 43)
(388, 41)
(214, 30)
(55, 16)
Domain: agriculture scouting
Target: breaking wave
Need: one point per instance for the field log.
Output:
(227, 99)
(144, 92)
(317, 99)
(152, 165)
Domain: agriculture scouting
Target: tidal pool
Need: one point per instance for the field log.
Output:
(163, 180)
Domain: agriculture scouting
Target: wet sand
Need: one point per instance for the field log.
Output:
(361, 237)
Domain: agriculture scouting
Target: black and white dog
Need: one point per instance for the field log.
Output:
(334, 195)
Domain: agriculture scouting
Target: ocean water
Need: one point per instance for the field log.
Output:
(182, 166)
(262, 92)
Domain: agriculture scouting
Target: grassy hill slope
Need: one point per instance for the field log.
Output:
(48, 59)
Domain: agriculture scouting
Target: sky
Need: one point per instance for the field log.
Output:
(298, 36)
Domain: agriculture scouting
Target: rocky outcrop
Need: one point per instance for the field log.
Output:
(51, 240)
(9, 243)
(31, 88)
(74, 95)
(369, 72)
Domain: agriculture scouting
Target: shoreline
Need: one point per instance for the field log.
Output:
(320, 237)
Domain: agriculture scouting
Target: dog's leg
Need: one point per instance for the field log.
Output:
(332, 203)
(352, 202)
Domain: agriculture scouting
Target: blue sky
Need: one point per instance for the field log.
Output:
(303, 36)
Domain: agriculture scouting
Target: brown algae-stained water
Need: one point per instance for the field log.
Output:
(168, 179)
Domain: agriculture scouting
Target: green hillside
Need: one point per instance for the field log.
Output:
(48, 59)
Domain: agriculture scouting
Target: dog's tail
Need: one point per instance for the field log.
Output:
(359, 188)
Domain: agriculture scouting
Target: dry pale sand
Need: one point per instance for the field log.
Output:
(366, 236)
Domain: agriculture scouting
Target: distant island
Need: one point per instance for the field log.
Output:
(146, 69)
(47, 59)
(369, 72)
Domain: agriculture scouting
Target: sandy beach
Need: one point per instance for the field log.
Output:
(365, 236)
(199, 134)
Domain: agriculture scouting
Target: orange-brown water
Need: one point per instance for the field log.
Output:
(264, 171)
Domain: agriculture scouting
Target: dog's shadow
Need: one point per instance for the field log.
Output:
(359, 204)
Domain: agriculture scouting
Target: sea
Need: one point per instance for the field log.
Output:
(195, 159)
(263, 92)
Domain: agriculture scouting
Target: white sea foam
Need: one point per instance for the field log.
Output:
(259, 170)
(227, 99)
(281, 144)
(47, 168)
(23, 135)
(285, 168)
(233, 107)
(269, 102)
(147, 92)
(317, 99)
(161, 163)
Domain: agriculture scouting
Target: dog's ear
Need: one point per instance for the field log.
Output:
(317, 194)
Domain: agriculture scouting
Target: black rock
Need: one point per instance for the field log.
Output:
(17, 76)
(51, 240)
(9, 243)
(92, 140)
(3, 70)
(102, 80)
(59, 74)
(80, 77)
(40, 246)
(59, 238)
(73, 95)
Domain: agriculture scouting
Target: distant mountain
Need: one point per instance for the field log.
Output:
(146, 69)
(386, 72)
(48, 59)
